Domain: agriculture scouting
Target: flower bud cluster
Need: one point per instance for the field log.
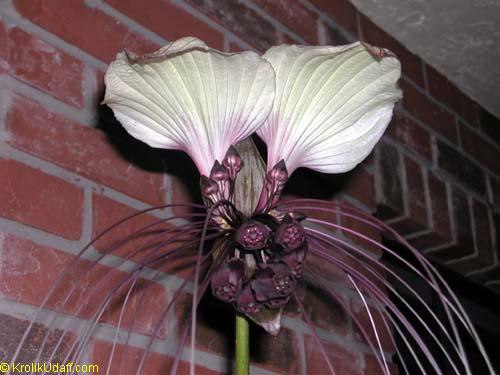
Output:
(277, 249)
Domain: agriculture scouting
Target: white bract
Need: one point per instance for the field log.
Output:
(190, 97)
(332, 105)
(318, 107)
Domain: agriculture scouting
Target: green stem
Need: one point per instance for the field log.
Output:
(242, 345)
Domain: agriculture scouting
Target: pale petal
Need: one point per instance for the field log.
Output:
(332, 105)
(187, 96)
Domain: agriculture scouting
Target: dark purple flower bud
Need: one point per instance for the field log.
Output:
(208, 187)
(271, 281)
(219, 173)
(278, 174)
(253, 235)
(246, 302)
(290, 234)
(232, 161)
(295, 261)
(227, 280)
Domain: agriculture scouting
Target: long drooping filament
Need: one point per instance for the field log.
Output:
(363, 270)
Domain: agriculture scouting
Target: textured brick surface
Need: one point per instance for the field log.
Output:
(240, 19)
(127, 359)
(342, 360)
(85, 27)
(459, 166)
(450, 95)
(390, 197)
(435, 177)
(41, 65)
(432, 114)
(440, 232)
(411, 135)
(37, 199)
(293, 15)
(481, 149)
(28, 270)
(168, 20)
(215, 333)
(52, 137)
(367, 323)
(12, 330)
(341, 11)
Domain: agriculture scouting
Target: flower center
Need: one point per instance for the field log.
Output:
(266, 263)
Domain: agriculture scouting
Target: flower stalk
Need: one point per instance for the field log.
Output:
(242, 345)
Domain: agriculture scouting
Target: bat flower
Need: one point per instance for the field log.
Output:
(322, 108)
(187, 96)
(332, 105)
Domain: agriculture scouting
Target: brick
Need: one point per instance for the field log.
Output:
(410, 134)
(416, 213)
(489, 125)
(432, 114)
(485, 251)
(29, 270)
(126, 360)
(462, 219)
(464, 242)
(34, 198)
(293, 15)
(243, 21)
(390, 199)
(411, 65)
(12, 330)
(452, 161)
(342, 360)
(363, 319)
(4, 47)
(481, 149)
(42, 66)
(372, 367)
(85, 27)
(450, 95)
(323, 310)
(334, 36)
(85, 150)
(215, 333)
(169, 21)
(276, 353)
(440, 228)
(360, 184)
(342, 12)
(347, 260)
(483, 231)
(106, 212)
(364, 229)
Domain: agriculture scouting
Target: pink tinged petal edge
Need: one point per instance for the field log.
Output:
(190, 97)
(332, 105)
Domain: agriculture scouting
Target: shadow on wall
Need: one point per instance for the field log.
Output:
(173, 163)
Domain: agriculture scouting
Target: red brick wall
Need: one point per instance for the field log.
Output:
(65, 168)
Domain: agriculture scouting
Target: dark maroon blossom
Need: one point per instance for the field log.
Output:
(253, 235)
(246, 303)
(227, 280)
(295, 260)
(271, 281)
(290, 234)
